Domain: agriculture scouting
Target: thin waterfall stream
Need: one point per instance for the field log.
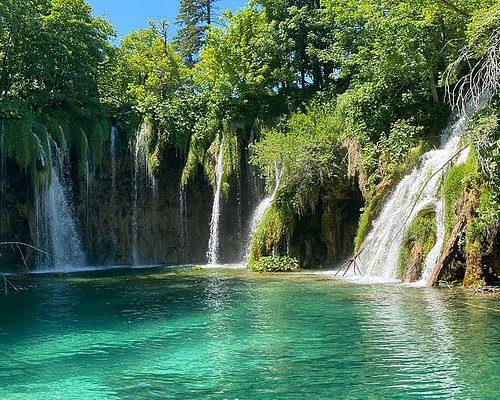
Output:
(183, 215)
(140, 181)
(213, 242)
(114, 155)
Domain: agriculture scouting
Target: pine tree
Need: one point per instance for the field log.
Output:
(194, 19)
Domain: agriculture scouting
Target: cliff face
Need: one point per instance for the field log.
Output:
(121, 224)
(326, 236)
(17, 217)
(126, 225)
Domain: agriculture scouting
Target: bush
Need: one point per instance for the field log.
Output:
(275, 264)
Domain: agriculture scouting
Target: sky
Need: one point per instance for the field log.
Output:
(127, 15)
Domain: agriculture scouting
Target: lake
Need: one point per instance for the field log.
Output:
(230, 334)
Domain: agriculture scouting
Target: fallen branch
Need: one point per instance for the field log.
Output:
(18, 245)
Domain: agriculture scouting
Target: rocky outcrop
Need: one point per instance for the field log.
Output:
(16, 218)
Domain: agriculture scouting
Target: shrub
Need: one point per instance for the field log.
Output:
(275, 264)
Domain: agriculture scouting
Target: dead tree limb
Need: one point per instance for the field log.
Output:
(18, 245)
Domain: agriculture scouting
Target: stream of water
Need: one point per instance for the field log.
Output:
(213, 243)
(179, 333)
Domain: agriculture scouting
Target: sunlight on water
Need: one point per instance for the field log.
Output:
(185, 333)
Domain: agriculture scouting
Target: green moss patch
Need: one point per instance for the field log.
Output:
(419, 239)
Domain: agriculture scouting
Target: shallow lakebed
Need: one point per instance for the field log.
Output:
(228, 333)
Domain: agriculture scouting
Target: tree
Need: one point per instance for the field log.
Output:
(51, 51)
(304, 34)
(240, 60)
(194, 19)
(148, 67)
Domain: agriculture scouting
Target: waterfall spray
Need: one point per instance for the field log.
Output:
(56, 223)
(140, 177)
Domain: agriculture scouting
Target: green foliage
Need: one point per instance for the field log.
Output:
(148, 68)
(237, 59)
(422, 233)
(26, 142)
(304, 152)
(18, 140)
(275, 264)
(38, 37)
(269, 234)
(454, 185)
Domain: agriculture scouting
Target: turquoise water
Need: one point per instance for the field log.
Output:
(156, 334)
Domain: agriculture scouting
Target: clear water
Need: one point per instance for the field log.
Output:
(185, 334)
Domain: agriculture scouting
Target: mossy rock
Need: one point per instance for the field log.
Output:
(419, 239)
(270, 233)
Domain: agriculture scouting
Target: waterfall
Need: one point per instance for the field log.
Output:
(113, 152)
(140, 181)
(3, 176)
(184, 238)
(88, 188)
(213, 242)
(56, 226)
(259, 213)
(418, 191)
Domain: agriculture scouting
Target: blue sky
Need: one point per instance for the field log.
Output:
(126, 15)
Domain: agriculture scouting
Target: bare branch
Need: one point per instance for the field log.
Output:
(482, 79)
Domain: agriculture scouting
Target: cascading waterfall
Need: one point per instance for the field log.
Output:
(113, 152)
(259, 213)
(140, 182)
(183, 214)
(56, 225)
(213, 242)
(418, 191)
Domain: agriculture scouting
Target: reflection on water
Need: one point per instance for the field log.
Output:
(228, 334)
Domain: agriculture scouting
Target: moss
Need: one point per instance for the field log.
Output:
(270, 233)
(363, 226)
(41, 174)
(154, 162)
(97, 129)
(230, 159)
(480, 234)
(418, 241)
(205, 136)
(455, 182)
